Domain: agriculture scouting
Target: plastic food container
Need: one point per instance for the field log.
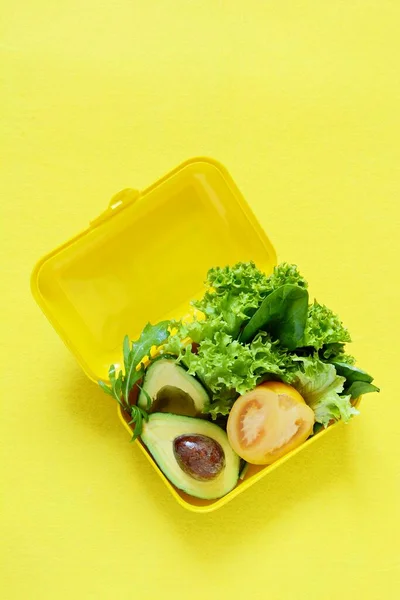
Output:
(143, 259)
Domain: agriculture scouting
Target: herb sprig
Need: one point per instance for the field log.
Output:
(123, 380)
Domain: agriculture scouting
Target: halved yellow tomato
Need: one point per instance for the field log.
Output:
(268, 422)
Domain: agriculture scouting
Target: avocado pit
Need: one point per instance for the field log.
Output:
(199, 456)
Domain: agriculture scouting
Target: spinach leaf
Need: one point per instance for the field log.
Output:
(358, 388)
(351, 373)
(283, 313)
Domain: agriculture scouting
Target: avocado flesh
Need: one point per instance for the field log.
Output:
(172, 390)
(158, 436)
(170, 399)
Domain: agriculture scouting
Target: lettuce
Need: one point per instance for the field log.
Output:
(232, 353)
(228, 368)
(321, 388)
(235, 293)
(323, 327)
(336, 353)
(284, 274)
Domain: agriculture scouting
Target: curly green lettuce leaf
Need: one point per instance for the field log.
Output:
(186, 332)
(228, 368)
(235, 292)
(284, 274)
(336, 353)
(220, 405)
(323, 327)
(241, 277)
(321, 388)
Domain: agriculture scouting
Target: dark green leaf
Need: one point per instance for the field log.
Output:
(317, 428)
(352, 373)
(283, 313)
(358, 388)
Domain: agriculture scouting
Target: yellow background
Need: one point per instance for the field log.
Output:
(300, 100)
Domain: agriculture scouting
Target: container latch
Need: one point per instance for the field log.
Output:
(117, 202)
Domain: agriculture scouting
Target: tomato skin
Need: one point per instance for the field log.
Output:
(282, 388)
(268, 422)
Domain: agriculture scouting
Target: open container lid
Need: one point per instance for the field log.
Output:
(144, 259)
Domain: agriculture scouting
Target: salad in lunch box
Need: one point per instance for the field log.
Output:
(255, 371)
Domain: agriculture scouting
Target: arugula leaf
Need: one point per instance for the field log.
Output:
(114, 389)
(106, 389)
(152, 335)
(138, 416)
(321, 388)
(283, 314)
(122, 383)
(358, 388)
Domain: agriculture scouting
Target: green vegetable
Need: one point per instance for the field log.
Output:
(336, 353)
(352, 373)
(358, 388)
(285, 273)
(358, 382)
(152, 335)
(122, 384)
(251, 327)
(235, 293)
(228, 368)
(242, 299)
(321, 388)
(323, 327)
(283, 314)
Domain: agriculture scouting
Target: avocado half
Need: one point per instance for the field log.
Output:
(193, 454)
(172, 390)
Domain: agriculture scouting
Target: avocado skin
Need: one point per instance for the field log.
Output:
(159, 435)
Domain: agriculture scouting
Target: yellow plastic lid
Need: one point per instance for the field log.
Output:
(144, 259)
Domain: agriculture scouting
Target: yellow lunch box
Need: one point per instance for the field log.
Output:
(143, 259)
